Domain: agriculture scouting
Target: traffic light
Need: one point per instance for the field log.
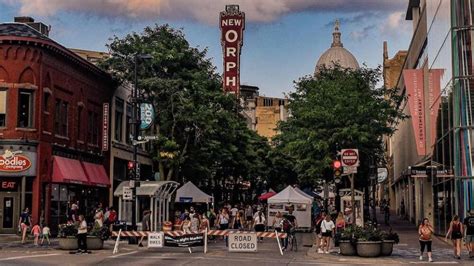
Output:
(131, 169)
(337, 167)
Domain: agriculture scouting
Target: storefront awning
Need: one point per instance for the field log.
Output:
(96, 174)
(67, 170)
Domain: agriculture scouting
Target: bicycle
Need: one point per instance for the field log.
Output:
(292, 240)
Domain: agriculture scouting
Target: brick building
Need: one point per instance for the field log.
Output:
(51, 134)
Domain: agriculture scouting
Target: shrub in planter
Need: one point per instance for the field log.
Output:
(369, 241)
(388, 240)
(103, 233)
(347, 242)
(67, 236)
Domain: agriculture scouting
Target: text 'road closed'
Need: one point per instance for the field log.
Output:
(242, 242)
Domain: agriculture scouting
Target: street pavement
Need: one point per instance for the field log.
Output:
(12, 252)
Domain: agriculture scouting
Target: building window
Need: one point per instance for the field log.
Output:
(281, 102)
(60, 118)
(93, 128)
(79, 122)
(3, 108)
(128, 128)
(267, 102)
(46, 102)
(25, 108)
(118, 119)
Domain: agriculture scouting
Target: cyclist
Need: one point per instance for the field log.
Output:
(289, 224)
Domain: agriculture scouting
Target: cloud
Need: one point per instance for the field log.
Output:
(357, 19)
(395, 23)
(205, 11)
(362, 34)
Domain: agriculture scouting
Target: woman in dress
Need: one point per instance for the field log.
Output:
(340, 225)
(455, 230)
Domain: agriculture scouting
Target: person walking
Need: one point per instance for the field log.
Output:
(289, 226)
(425, 231)
(223, 222)
(386, 212)
(46, 233)
(204, 223)
(340, 225)
(327, 231)
(82, 235)
(195, 222)
(35, 231)
(455, 231)
(259, 223)
(249, 216)
(319, 238)
(24, 223)
(146, 225)
(277, 221)
(469, 233)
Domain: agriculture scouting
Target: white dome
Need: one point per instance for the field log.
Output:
(337, 54)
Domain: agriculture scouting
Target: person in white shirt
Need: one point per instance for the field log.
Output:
(82, 235)
(233, 212)
(259, 223)
(327, 230)
(46, 232)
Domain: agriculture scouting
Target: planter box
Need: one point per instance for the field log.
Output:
(387, 247)
(347, 248)
(369, 248)
(93, 243)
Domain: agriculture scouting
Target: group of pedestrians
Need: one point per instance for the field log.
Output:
(37, 230)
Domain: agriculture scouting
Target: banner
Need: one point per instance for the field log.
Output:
(414, 87)
(434, 99)
(190, 240)
(105, 127)
(147, 115)
(232, 24)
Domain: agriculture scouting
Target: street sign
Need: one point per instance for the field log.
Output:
(242, 242)
(148, 137)
(350, 157)
(382, 174)
(350, 169)
(156, 240)
(127, 193)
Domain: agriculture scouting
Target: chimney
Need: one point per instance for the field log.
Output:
(385, 50)
(38, 26)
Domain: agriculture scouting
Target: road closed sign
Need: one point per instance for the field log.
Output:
(242, 242)
(156, 240)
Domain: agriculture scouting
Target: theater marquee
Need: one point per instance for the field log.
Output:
(232, 24)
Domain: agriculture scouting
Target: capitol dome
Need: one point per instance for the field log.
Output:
(337, 54)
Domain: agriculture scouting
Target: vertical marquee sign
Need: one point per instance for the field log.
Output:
(414, 87)
(232, 24)
(105, 127)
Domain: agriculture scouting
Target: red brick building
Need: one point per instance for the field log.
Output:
(51, 111)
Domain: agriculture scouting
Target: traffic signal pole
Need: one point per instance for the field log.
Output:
(135, 125)
(353, 200)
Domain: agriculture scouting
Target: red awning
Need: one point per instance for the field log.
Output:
(96, 174)
(67, 170)
(267, 195)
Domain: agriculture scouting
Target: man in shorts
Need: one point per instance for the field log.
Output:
(469, 233)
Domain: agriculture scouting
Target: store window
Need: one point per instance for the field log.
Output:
(25, 108)
(3, 107)
(60, 118)
(93, 128)
(118, 119)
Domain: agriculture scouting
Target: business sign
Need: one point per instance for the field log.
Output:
(147, 114)
(349, 169)
(105, 127)
(8, 185)
(156, 240)
(350, 157)
(414, 87)
(190, 240)
(14, 161)
(127, 193)
(242, 242)
(434, 99)
(382, 174)
(232, 24)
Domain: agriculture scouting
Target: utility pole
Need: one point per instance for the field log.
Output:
(353, 200)
(135, 124)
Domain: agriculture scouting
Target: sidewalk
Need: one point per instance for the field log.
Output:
(406, 252)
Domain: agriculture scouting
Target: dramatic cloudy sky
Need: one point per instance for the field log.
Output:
(282, 40)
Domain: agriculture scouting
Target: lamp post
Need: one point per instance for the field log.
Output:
(135, 124)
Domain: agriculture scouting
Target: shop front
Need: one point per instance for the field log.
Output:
(17, 173)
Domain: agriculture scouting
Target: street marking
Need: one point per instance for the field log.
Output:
(31, 256)
(120, 255)
(434, 262)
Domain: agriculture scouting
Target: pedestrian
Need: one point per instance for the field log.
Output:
(348, 216)
(204, 223)
(187, 225)
(238, 222)
(35, 231)
(386, 212)
(327, 230)
(249, 216)
(277, 221)
(319, 238)
(455, 230)
(425, 231)
(233, 213)
(289, 226)
(82, 235)
(46, 232)
(111, 217)
(340, 226)
(24, 223)
(146, 226)
(469, 233)
(195, 222)
(99, 215)
(259, 223)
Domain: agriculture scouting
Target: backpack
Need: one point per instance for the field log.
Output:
(286, 225)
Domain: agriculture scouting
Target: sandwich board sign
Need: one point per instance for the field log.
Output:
(242, 242)
(156, 240)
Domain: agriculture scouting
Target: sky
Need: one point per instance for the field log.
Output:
(283, 39)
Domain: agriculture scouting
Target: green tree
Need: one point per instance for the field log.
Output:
(339, 108)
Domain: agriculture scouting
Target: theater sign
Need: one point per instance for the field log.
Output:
(232, 24)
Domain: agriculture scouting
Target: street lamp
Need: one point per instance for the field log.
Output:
(135, 124)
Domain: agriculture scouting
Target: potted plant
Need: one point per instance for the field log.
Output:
(388, 240)
(97, 236)
(67, 236)
(369, 242)
(347, 242)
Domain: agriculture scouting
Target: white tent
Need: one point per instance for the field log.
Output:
(303, 193)
(290, 197)
(190, 193)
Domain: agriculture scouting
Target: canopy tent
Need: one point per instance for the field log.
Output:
(291, 198)
(304, 193)
(190, 193)
(267, 195)
(159, 194)
(330, 194)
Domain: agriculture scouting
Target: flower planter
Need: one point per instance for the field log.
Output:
(369, 248)
(387, 247)
(70, 243)
(347, 248)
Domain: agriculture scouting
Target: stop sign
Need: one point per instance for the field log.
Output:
(350, 157)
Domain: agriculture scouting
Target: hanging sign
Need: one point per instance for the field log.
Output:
(105, 127)
(232, 24)
(14, 161)
(434, 99)
(382, 174)
(414, 86)
(147, 114)
(190, 240)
